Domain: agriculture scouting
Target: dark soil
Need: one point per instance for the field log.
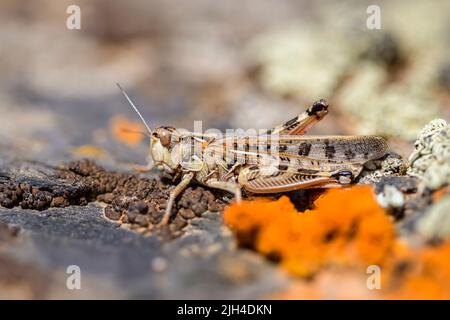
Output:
(135, 201)
(138, 202)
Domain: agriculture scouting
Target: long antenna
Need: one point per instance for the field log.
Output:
(135, 108)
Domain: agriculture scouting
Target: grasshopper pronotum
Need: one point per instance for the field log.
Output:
(278, 160)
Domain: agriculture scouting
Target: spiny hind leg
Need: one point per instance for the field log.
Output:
(300, 124)
(253, 179)
(288, 183)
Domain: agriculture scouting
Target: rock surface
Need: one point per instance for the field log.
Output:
(116, 262)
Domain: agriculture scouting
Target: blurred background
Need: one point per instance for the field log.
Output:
(233, 64)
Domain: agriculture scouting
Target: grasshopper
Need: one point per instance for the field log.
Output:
(278, 160)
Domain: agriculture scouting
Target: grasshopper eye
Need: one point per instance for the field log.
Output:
(165, 137)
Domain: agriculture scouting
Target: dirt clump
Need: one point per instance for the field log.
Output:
(132, 200)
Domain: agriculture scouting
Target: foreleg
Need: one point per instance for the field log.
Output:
(187, 178)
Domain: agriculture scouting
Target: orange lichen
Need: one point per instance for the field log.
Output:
(126, 131)
(345, 233)
(440, 193)
(347, 227)
(329, 284)
(89, 151)
(428, 276)
(410, 274)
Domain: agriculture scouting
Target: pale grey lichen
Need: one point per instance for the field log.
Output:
(395, 110)
(435, 223)
(394, 98)
(391, 198)
(417, 33)
(294, 62)
(390, 165)
(430, 161)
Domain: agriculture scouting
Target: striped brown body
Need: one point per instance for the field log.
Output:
(278, 160)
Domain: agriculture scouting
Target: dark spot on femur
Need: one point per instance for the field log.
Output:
(349, 154)
(291, 122)
(283, 148)
(304, 149)
(329, 151)
(282, 167)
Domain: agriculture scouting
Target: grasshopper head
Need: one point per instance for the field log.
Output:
(165, 146)
(164, 141)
